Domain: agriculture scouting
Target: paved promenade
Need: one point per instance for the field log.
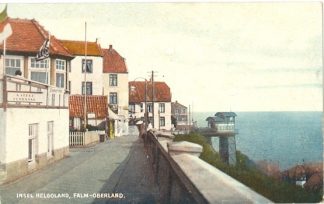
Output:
(116, 171)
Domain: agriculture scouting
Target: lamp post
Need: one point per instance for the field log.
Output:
(145, 101)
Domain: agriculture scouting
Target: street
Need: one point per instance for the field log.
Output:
(116, 171)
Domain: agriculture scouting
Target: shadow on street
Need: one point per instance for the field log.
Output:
(132, 180)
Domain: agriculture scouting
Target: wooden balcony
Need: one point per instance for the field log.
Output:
(18, 92)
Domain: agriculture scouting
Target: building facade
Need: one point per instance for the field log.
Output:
(222, 121)
(158, 108)
(181, 116)
(33, 101)
(91, 73)
(115, 84)
(97, 111)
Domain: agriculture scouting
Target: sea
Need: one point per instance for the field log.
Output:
(283, 138)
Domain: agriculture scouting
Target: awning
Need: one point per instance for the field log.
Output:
(112, 115)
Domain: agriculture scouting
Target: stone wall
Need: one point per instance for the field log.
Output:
(182, 177)
(91, 137)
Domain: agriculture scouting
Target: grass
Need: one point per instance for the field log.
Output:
(248, 174)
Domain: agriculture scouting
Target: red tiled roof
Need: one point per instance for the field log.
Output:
(113, 62)
(137, 92)
(28, 36)
(78, 47)
(95, 104)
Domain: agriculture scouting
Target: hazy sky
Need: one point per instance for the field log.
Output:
(215, 56)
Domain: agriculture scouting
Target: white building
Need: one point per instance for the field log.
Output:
(77, 75)
(181, 116)
(97, 111)
(115, 83)
(222, 121)
(34, 105)
(161, 103)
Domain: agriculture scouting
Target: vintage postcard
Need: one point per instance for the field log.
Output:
(161, 102)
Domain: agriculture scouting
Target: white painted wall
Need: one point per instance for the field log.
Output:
(1, 92)
(166, 114)
(2, 136)
(121, 89)
(16, 131)
(77, 77)
(122, 94)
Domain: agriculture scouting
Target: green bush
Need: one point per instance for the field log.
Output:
(246, 172)
(93, 128)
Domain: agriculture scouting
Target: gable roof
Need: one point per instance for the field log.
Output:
(113, 62)
(176, 104)
(95, 104)
(78, 48)
(225, 114)
(28, 36)
(215, 119)
(137, 92)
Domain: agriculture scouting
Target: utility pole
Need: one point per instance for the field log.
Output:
(85, 75)
(189, 118)
(152, 78)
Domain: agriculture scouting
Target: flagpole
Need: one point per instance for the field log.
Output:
(4, 57)
(49, 47)
(85, 75)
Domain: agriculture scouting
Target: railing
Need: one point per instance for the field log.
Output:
(21, 92)
(182, 177)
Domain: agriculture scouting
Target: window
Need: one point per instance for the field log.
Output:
(60, 80)
(42, 64)
(39, 70)
(89, 65)
(162, 107)
(68, 65)
(112, 79)
(60, 64)
(141, 105)
(149, 107)
(32, 141)
(132, 108)
(113, 98)
(88, 87)
(39, 76)
(12, 65)
(60, 73)
(162, 121)
(183, 111)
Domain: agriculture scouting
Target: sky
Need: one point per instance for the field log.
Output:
(214, 56)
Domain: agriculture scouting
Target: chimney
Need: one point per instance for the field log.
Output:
(110, 47)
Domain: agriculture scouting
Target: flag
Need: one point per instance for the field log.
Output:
(43, 52)
(3, 15)
(7, 31)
